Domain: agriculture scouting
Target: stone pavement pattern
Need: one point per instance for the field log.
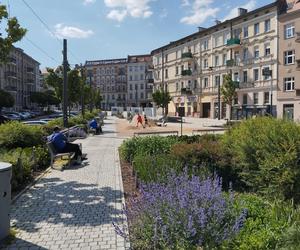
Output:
(74, 209)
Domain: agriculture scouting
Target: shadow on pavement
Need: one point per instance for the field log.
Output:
(22, 244)
(68, 203)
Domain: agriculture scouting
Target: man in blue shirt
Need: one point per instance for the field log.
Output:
(94, 125)
(62, 145)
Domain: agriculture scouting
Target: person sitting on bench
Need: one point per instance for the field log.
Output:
(94, 125)
(61, 144)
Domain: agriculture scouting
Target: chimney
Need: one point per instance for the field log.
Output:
(217, 22)
(242, 11)
(201, 29)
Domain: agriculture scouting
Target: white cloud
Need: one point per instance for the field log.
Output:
(117, 15)
(128, 8)
(201, 11)
(234, 12)
(164, 13)
(63, 31)
(86, 2)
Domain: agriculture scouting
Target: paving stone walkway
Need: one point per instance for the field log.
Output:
(74, 209)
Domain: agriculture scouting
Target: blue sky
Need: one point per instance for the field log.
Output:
(104, 29)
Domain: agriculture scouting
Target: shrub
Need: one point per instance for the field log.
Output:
(16, 134)
(155, 168)
(265, 154)
(265, 224)
(149, 145)
(24, 161)
(184, 213)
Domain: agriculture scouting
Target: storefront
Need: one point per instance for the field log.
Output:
(249, 111)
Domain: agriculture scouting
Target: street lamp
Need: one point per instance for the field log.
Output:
(90, 77)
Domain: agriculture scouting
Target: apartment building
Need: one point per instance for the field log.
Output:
(140, 81)
(110, 76)
(192, 69)
(289, 61)
(20, 76)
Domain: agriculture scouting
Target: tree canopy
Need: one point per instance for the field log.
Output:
(6, 99)
(161, 98)
(14, 33)
(228, 90)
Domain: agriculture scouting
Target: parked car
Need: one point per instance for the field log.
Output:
(25, 114)
(3, 119)
(47, 119)
(13, 117)
(35, 123)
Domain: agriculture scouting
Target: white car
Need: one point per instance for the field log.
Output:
(35, 123)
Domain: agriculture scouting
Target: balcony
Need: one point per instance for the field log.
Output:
(30, 70)
(10, 74)
(297, 37)
(187, 56)
(10, 88)
(186, 72)
(150, 80)
(12, 60)
(231, 63)
(149, 87)
(233, 42)
(29, 81)
(245, 85)
(186, 91)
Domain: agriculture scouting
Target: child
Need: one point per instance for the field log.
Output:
(139, 120)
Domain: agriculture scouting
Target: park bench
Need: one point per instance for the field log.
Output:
(62, 156)
(154, 133)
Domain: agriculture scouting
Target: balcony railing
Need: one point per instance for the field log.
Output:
(150, 80)
(233, 42)
(231, 63)
(10, 88)
(245, 85)
(11, 74)
(186, 91)
(186, 72)
(297, 37)
(30, 70)
(12, 60)
(187, 55)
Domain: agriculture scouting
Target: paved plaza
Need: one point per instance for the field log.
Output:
(75, 208)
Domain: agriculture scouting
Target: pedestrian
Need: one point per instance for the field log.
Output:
(96, 126)
(61, 144)
(139, 120)
(146, 121)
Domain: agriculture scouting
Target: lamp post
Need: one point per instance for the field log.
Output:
(90, 77)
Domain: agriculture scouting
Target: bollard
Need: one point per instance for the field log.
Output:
(5, 199)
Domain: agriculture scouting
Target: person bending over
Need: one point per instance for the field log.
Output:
(62, 145)
(94, 125)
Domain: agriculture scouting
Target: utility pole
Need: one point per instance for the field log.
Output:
(82, 92)
(65, 86)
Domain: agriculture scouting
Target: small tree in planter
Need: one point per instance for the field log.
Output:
(162, 99)
(228, 91)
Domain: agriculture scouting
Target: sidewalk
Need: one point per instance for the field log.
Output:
(74, 209)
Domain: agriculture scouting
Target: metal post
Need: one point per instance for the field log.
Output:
(65, 86)
(82, 93)
(181, 126)
(90, 76)
(219, 101)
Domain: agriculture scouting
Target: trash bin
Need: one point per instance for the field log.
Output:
(5, 199)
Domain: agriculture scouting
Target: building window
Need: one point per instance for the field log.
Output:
(245, 99)
(245, 53)
(158, 74)
(182, 68)
(195, 84)
(289, 57)
(177, 85)
(256, 74)
(217, 81)
(130, 96)
(166, 58)
(142, 95)
(177, 71)
(205, 63)
(205, 82)
(142, 77)
(266, 97)
(245, 76)
(142, 86)
(255, 98)
(256, 28)
(288, 111)
(224, 59)
(166, 72)
(130, 86)
(205, 45)
(267, 50)
(256, 52)
(216, 60)
(289, 84)
(141, 67)
(246, 31)
(266, 77)
(289, 30)
(267, 25)
(113, 97)
(130, 68)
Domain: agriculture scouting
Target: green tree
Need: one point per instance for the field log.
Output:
(14, 33)
(44, 99)
(228, 91)
(6, 100)
(162, 99)
(54, 79)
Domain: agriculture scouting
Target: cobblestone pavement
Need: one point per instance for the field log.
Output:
(74, 208)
